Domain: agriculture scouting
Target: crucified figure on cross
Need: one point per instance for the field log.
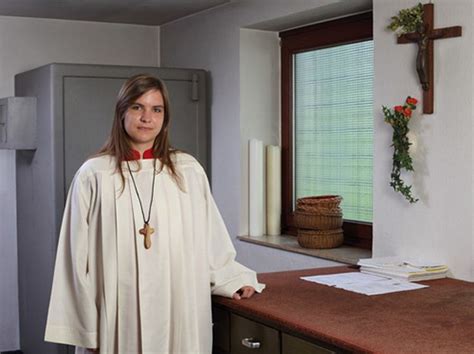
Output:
(424, 37)
(421, 67)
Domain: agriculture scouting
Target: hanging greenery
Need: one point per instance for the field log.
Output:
(398, 118)
(407, 20)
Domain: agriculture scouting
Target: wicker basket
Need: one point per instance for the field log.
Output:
(320, 238)
(322, 203)
(318, 221)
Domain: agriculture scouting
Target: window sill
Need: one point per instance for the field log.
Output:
(343, 254)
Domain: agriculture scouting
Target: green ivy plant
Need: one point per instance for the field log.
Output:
(398, 118)
(407, 20)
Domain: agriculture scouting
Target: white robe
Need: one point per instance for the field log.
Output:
(112, 293)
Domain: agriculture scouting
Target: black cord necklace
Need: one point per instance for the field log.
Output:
(147, 230)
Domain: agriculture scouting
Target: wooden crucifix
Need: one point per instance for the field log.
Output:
(424, 37)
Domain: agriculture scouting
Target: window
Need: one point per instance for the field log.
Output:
(327, 120)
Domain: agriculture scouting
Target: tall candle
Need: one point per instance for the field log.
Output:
(256, 188)
(273, 190)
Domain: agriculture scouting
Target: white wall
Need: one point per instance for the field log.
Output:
(440, 224)
(26, 43)
(212, 40)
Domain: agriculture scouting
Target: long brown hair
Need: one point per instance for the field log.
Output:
(118, 143)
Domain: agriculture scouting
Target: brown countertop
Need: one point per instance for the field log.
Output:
(438, 319)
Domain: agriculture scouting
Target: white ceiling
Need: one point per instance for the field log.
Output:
(144, 12)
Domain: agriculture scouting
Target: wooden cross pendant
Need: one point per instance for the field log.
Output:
(146, 232)
(424, 37)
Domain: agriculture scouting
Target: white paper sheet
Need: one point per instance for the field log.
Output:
(343, 278)
(366, 284)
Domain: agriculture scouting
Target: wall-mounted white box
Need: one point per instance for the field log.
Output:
(18, 123)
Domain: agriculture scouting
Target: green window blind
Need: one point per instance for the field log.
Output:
(333, 125)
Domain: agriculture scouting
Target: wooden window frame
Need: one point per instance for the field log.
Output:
(327, 34)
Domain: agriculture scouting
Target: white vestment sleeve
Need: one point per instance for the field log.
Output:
(227, 275)
(73, 315)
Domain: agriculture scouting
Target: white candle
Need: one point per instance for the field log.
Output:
(256, 188)
(273, 190)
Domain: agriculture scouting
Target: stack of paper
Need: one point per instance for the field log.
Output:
(396, 267)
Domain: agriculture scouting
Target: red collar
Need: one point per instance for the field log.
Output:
(135, 155)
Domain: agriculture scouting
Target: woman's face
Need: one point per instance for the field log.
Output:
(144, 120)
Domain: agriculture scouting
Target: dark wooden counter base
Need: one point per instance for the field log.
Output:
(438, 319)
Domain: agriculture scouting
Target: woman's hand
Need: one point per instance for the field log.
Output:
(244, 293)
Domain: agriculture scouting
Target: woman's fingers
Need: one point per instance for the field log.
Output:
(248, 291)
(244, 293)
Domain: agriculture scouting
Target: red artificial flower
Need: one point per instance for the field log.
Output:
(398, 109)
(411, 100)
(407, 112)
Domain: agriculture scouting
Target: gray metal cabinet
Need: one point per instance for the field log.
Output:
(75, 107)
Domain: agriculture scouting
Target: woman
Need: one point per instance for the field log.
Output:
(142, 244)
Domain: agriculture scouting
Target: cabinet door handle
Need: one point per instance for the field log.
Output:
(251, 343)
